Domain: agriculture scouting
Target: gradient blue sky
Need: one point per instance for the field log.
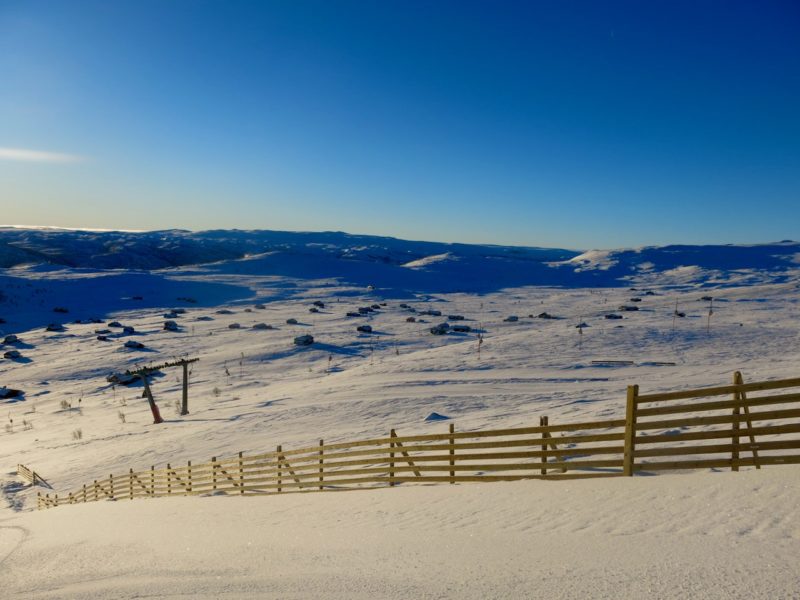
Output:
(550, 123)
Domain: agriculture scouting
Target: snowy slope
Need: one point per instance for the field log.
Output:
(392, 378)
(253, 389)
(681, 264)
(715, 536)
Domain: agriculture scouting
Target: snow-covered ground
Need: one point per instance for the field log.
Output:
(698, 534)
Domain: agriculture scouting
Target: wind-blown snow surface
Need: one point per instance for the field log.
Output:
(704, 535)
(701, 534)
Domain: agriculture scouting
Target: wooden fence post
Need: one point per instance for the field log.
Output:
(321, 463)
(152, 480)
(84, 492)
(169, 479)
(452, 453)
(95, 490)
(213, 473)
(543, 423)
(241, 474)
(630, 430)
(111, 485)
(392, 482)
(737, 398)
(738, 380)
(189, 476)
(130, 483)
(278, 458)
(185, 396)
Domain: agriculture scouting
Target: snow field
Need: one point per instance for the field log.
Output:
(701, 534)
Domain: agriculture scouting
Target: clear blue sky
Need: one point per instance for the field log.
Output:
(552, 123)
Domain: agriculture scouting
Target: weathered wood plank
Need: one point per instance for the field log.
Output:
(630, 429)
(714, 434)
(720, 390)
(767, 415)
(405, 454)
(485, 456)
(717, 405)
(717, 463)
(717, 448)
(746, 406)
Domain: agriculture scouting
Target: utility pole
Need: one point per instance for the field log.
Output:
(145, 372)
(153, 407)
(710, 312)
(185, 398)
(674, 315)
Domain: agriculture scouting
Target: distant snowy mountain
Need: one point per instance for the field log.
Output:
(175, 248)
(681, 264)
(393, 263)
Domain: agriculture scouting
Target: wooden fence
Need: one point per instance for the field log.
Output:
(708, 434)
(30, 475)
(562, 451)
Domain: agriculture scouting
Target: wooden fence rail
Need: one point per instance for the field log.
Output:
(550, 451)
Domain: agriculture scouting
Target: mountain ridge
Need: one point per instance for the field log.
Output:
(389, 262)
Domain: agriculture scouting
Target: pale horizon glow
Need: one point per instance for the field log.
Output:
(57, 228)
(25, 155)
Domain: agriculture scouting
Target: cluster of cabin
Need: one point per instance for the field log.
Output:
(453, 324)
